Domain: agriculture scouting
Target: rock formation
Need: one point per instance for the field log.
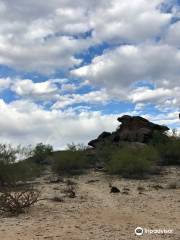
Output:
(132, 129)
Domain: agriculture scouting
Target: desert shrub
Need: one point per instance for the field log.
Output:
(10, 174)
(69, 162)
(159, 138)
(41, 152)
(17, 202)
(131, 162)
(170, 152)
(104, 152)
(7, 153)
(70, 191)
(12, 171)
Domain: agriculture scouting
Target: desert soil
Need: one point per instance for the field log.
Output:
(95, 213)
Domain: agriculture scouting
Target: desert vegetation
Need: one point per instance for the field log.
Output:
(16, 195)
(128, 159)
(16, 201)
(70, 162)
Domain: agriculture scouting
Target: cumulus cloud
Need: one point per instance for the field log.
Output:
(172, 36)
(129, 20)
(119, 69)
(93, 97)
(38, 36)
(4, 83)
(25, 122)
(40, 90)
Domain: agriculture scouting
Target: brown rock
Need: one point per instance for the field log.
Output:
(132, 129)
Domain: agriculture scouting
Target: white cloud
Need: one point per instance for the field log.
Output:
(94, 97)
(129, 20)
(4, 83)
(173, 35)
(35, 36)
(119, 69)
(144, 94)
(26, 123)
(40, 90)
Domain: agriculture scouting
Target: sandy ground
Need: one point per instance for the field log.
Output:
(97, 214)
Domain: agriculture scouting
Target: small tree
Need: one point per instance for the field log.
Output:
(41, 152)
(7, 153)
(7, 157)
(12, 171)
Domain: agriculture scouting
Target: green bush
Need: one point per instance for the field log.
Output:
(10, 174)
(170, 152)
(131, 162)
(7, 153)
(159, 138)
(69, 162)
(41, 152)
(12, 171)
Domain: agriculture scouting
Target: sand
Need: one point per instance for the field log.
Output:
(96, 213)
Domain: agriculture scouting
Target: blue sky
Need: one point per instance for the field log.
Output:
(68, 69)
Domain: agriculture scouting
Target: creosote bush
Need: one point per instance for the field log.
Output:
(170, 152)
(168, 147)
(132, 162)
(69, 162)
(10, 174)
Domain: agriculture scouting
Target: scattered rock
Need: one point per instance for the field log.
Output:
(57, 199)
(141, 188)
(114, 189)
(92, 181)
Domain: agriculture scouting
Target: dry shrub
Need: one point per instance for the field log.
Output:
(16, 202)
(57, 199)
(70, 191)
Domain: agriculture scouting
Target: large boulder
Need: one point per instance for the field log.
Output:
(132, 129)
(102, 138)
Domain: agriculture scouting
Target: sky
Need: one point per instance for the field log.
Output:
(69, 68)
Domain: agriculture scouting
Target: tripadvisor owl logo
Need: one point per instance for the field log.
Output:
(139, 231)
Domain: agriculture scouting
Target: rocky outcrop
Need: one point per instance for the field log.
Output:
(132, 129)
